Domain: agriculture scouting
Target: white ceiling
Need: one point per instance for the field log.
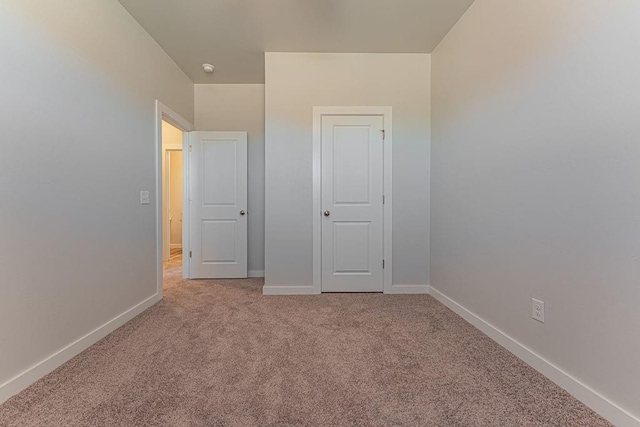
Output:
(234, 34)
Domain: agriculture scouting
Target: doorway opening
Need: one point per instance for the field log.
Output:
(172, 133)
(201, 213)
(172, 200)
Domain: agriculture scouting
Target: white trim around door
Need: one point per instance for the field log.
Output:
(167, 114)
(386, 113)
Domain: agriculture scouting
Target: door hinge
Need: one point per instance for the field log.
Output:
(382, 263)
(190, 148)
(384, 134)
(190, 254)
(383, 199)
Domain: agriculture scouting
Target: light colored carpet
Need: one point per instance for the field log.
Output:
(218, 353)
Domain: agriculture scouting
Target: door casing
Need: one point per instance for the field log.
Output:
(386, 113)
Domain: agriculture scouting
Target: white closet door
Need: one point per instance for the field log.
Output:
(352, 204)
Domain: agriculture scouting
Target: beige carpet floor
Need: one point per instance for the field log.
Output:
(218, 353)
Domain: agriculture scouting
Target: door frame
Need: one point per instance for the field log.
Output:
(387, 240)
(165, 113)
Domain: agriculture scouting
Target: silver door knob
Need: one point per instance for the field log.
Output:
(327, 213)
(242, 213)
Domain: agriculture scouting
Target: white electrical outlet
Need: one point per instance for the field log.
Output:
(537, 310)
(144, 197)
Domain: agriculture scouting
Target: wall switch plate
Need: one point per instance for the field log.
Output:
(144, 197)
(537, 310)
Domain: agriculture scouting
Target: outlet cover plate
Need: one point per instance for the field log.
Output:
(537, 310)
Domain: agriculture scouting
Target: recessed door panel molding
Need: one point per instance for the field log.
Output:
(352, 190)
(220, 176)
(218, 241)
(352, 166)
(217, 205)
(352, 251)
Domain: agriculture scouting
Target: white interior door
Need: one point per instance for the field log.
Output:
(218, 205)
(352, 204)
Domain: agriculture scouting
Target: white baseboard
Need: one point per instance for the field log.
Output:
(175, 246)
(580, 391)
(31, 375)
(409, 289)
(309, 290)
(256, 273)
(288, 290)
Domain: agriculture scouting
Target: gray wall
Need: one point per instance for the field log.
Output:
(536, 180)
(240, 107)
(295, 83)
(78, 81)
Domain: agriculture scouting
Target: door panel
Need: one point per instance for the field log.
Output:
(352, 247)
(218, 204)
(219, 185)
(352, 183)
(219, 239)
(351, 165)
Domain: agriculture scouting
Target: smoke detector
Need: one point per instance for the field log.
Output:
(208, 68)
